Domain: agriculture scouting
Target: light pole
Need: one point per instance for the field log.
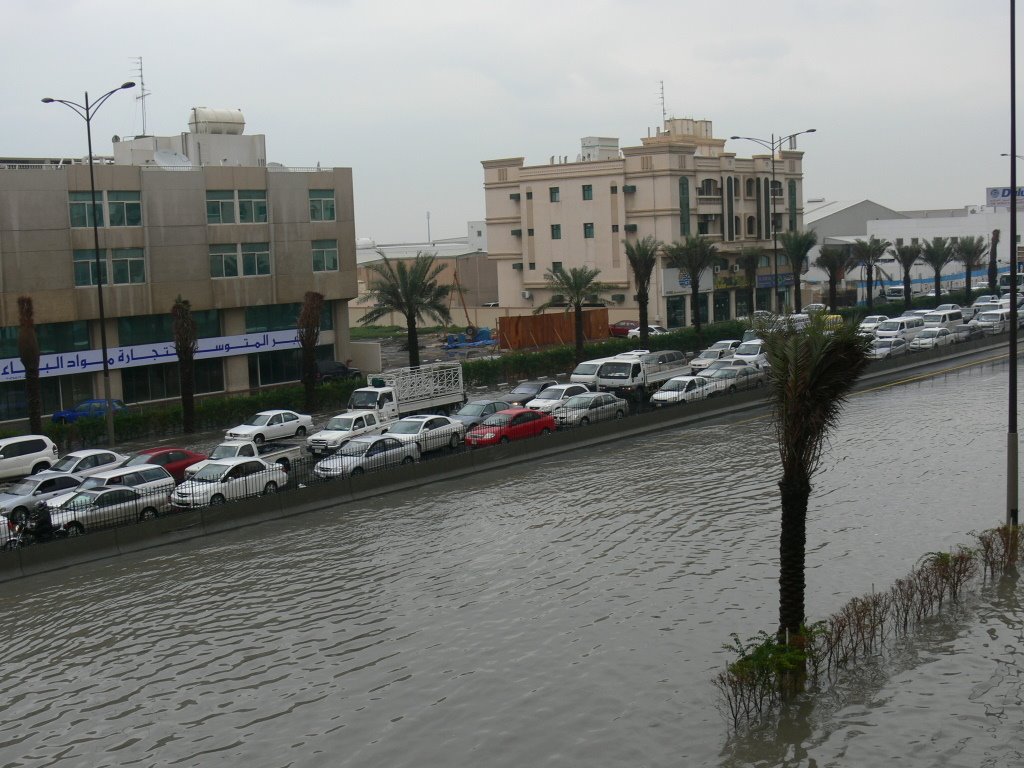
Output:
(86, 112)
(1011, 431)
(774, 145)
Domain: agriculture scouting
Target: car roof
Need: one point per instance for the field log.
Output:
(273, 412)
(421, 417)
(108, 473)
(89, 452)
(368, 438)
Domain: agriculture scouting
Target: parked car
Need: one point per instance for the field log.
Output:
(753, 352)
(586, 372)
(26, 455)
(228, 480)
(992, 321)
(810, 309)
(551, 398)
(149, 480)
(589, 408)
(968, 332)
(525, 391)
(735, 378)
(87, 409)
(947, 308)
(428, 432)
(729, 345)
(87, 462)
(705, 358)
(681, 389)
(367, 453)
(622, 327)
(102, 507)
(725, 362)
(22, 495)
(870, 323)
(930, 338)
(174, 460)
(652, 330)
(888, 347)
(510, 424)
(475, 412)
(272, 425)
(341, 428)
(332, 370)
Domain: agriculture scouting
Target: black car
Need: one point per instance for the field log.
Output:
(331, 370)
(475, 412)
(526, 391)
(968, 332)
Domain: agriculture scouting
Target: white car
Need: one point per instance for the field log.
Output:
(727, 344)
(882, 349)
(148, 479)
(682, 389)
(102, 507)
(87, 462)
(553, 397)
(752, 352)
(228, 480)
(22, 495)
(870, 323)
(652, 330)
(708, 356)
(366, 453)
(590, 407)
(272, 425)
(930, 338)
(429, 433)
(342, 428)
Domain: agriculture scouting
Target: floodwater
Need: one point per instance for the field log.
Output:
(568, 612)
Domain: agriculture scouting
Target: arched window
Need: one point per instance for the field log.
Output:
(736, 225)
(776, 188)
(736, 190)
(751, 226)
(707, 187)
(750, 188)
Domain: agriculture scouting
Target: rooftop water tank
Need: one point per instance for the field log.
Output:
(208, 120)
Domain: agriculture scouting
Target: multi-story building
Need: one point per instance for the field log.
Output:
(202, 216)
(678, 182)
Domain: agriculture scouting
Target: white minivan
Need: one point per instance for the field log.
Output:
(752, 352)
(26, 455)
(906, 328)
(948, 319)
(992, 321)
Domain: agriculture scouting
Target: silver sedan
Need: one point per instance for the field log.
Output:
(429, 433)
(581, 410)
(366, 453)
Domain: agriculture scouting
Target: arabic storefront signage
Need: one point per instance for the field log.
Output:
(91, 360)
(767, 281)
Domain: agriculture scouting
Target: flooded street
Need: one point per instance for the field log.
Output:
(565, 612)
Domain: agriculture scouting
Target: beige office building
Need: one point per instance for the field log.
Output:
(678, 182)
(201, 215)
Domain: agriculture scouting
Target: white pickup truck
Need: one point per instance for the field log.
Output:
(428, 388)
(343, 427)
(272, 453)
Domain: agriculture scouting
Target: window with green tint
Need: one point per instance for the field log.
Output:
(321, 205)
(588, 230)
(588, 192)
(556, 266)
(220, 206)
(553, 194)
(158, 382)
(325, 255)
(252, 206)
(86, 272)
(127, 265)
(53, 338)
(255, 259)
(159, 329)
(81, 212)
(124, 209)
(556, 231)
(283, 317)
(684, 205)
(223, 261)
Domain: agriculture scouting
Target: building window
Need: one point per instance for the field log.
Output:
(252, 206)
(529, 195)
(158, 382)
(556, 266)
(82, 213)
(255, 259)
(556, 231)
(321, 205)
(764, 260)
(124, 210)
(776, 188)
(751, 226)
(128, 265)
(283, 317)
(220, 206)
(223, 261)
(588, 192)
(899, 242)
(615, 227)
(588, 230)
(553, 194)
(85, 268)
(529, 232)
(708, 188)
(325, 255)
(159, 329)
(615, 190)
(913, 241)
(532, 265)
(750, 188)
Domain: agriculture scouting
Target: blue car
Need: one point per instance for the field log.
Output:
(87, 409)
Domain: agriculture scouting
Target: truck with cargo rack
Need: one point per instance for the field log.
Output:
(428, 388)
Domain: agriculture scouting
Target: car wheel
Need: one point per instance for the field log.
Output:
(545, 431)
(148, 514)
(40, 467)
(356, 472)
(408, 460)
(18, 513)
(453, 443)
(732, 389)
(619, 414)
(300, 432)
(504, 439)
(217, 500)
(269, 488)
(258, 439)
(584, 422)
(75, 528)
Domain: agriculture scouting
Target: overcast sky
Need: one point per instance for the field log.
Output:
(910, 99)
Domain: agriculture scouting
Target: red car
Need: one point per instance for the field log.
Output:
(510, 424)
(174, 460)
(622, 327)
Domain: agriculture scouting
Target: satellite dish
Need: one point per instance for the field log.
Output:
(115, 138)
(168, 158)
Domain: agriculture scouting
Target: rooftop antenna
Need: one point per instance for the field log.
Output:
(143, 93)
(661, 83)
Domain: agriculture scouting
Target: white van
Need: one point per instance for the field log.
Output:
(949, 319)
(992, 321)
(752, 352)
(905, 328)
(26, 455)
(586, 372)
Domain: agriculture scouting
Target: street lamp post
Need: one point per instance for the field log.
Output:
(774, 145)
(86, 112)
(1011, 431)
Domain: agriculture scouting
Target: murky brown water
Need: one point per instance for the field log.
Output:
(565, 613)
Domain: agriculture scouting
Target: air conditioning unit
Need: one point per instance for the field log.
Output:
(734, 267)
(526, 295)
(618, 298)
(717, 269)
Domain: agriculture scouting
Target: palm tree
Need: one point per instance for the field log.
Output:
(28, 351)
(868, 252)
(796, 245)
(643, 258)
(576, 288)
(749, 260)
(410, 288)
(993, 269)
(970, 251)
(185, 331)
(907, 255)
(835, 261)
(692, 257)
(937, 254)
(810, 375)
(308, 333)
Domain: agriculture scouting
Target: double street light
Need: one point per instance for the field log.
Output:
(86, 112)
(774, 145)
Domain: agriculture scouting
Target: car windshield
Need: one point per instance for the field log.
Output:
(586, 369)
(928, 333)
(883, 343)
(579, 401)
(210, 473)
(24, 487)
(722, 373)
(526, 389)
(354, 448)
(405, 428)
(889, 325)
(988, 317)
(750, 348)
(259, 420)
(473, 409)
(614, 370)
(80, 499)
(674, 385)
(874, 319)
(498, 420)
(551, 393)
(66, 464)
(340, 424)
(710, 354)
(224, 452)
(92, 482)
(363, 398)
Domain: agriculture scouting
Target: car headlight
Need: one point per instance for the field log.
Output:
(489, 435)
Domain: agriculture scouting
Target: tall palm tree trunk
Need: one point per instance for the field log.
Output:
(28, 351)
(413, 340)
(993, 269)
(795, 488)
(833, 295)
(578, 320)
(967, 284)
(694, 304)
(938, 287)
(907, 301)
(642, 301)
(869, 273)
